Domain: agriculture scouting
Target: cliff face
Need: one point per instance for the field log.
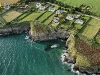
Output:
(43, 36)
(14, 29)
(83, 63)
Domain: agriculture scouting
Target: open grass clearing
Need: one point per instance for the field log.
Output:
(32, 16)
(78, 26)
(44, 16)
(49, 19)
(93, 3)
(11, 15)
(91, 28)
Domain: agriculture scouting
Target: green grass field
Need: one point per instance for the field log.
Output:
(44, 16)
(11, 15)
(49, 19)
(32, 16)
(94, 3)
(91, 28)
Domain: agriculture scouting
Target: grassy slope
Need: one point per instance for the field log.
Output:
(92, 28)
(94, 3)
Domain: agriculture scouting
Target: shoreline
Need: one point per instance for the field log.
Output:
(65, 55)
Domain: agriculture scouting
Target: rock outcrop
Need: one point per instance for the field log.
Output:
(15, 29)
(44, 36)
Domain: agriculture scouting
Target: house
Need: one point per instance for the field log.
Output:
(42, 7)
(79, 21)
(59, 11)
(56, 20)
(6, 7)
(38, 5)
(52, 9)
(70, 17)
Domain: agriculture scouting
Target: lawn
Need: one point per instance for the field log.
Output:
(65, 25)
(78, 26)
(32, 16)
(44, 16)
(91, 28)
(11, 15)
(94, 3)
(49, 19)
(2, 22)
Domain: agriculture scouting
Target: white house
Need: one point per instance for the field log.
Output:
(42, 7)
(38, 5)
(56, 20)
(52, 9)
(70, 17)
(59, 11)
(79, 21)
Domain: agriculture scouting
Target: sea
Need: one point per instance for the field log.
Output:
(19, 56)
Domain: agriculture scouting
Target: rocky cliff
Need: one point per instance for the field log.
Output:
(14, 29)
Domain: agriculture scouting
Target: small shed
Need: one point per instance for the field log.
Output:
(52, 9)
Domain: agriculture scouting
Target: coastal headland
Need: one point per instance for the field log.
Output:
(51, 21)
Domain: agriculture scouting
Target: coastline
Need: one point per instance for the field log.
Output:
(15, 28)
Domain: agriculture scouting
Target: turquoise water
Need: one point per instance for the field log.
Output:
(24, 57)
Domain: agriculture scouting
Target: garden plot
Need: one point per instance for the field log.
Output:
(11, 15)
(91, 28)
(32, 16)
(44, 16)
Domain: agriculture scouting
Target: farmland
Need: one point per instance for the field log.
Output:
(94, 3)
(32, 16)
(44, 16)
(8, 1)
(8, 15)
(91, 28)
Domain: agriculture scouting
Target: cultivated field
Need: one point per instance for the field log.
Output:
(44, 16)
(91, 28)
(94, 3)
(32, 16)
(49, 19)
(11, 15)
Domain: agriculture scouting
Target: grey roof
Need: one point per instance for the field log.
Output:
(79, 21)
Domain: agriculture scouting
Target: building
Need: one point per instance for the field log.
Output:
(56, 20)
(79, 21)
(38, 5)
(59, 11)
(72, 16)
(42, 7)
(52, 9)
(6, 3)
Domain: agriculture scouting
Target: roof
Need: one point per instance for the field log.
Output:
(59, 11)
(70, 17)
(51, 9)
(79, 21)
(38, 5)
(42, 7)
